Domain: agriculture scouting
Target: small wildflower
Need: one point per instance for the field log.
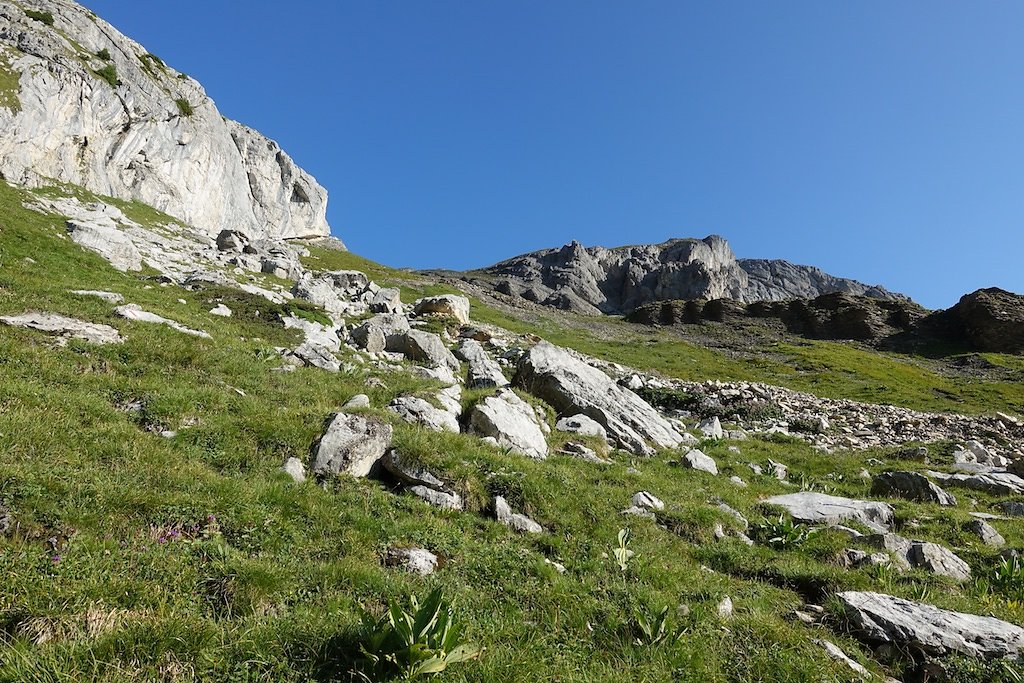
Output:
(55, 559)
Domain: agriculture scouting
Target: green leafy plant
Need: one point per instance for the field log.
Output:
(783, 533)
(622, 553)
(104, 54)
(184, 107)
(425, 640)
(1008, 578)
(109, 74)
(652, 627)
(42, 17)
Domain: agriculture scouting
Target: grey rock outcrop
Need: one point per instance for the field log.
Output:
(109, 297)
(571, 386)
(145, 132)
(483, 371)
(424, 346)
(879, 618)
(408, 473)
(503, 513)
(582, 425)
(511, 421)
(65, 327)
(102, 236)
(912, 486)
(999, 483)
(819, 508)
(349, 444)
(450, 305)
(419, 411)
(595, 279)
(136, 313)
(986, 533)
(697, 460)
(416, 560)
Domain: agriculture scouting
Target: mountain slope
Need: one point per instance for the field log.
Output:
(87, 106)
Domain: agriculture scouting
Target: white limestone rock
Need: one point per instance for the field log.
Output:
(136, 313)
(65, 326)
(511, 421)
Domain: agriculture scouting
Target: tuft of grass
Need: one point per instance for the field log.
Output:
(184, 107)
(109, 74)
(104, 54)
(41, 17)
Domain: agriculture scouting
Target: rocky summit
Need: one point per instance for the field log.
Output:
(594, 280)
(231, 450)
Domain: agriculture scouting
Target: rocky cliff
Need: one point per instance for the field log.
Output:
(84, 105)
(599, 280)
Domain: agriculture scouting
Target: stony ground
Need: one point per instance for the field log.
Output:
(207, 477)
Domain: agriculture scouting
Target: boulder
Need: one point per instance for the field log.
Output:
(416, 560)
(349, 444)
(697, 460)
(819, 508)
(418, 411)
(103, 237)
(986, 533)
(314, 332)
(511, 421)
(109, 297)
(408, 473)
(426, 347)
(1010, 508)
(997, 483)
(516, 521)
(991, 320)
(315, 356)
(912, 486)
(380, 331)
(64, 326)
(221, 310)
(711, 428)
(931, 557)
(879, 618)
(483, 371)
(571, 386)
(386, 300)
(295, 469)
(337, 292)
(450, 305)
(439, 499)
(135, 312)
(582, 425)
(647, 501)
(357, 401)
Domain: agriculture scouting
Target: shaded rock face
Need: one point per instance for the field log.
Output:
(880, 618)
(147, 132)
(591, 279)
(989, 320)
(837, 315)
(571, 387)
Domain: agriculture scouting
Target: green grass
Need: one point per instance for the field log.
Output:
(41, 17)
(184, 107)
(195, 558)
(109, 74)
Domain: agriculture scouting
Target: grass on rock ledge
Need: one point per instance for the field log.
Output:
(136, 557)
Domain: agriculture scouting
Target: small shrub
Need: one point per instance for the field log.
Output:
(652, 628)
(109, 74)
(184, 108)
(104, 54)
(1008, 578)
(424, 641)
(41, 17)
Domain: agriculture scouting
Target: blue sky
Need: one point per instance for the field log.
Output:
(877, 140)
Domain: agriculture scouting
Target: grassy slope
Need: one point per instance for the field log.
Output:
(265, 580)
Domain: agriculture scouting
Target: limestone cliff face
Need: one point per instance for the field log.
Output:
(598, 280)
(95, 109)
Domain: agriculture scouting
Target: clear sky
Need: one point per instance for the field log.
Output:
(882, 141)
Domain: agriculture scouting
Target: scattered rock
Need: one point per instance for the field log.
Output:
(986, 532)
(418, 411)
(386, 300)
(880, 618)
(581, 451)
(349, 444)
(408, 473)
(439, 499)
(582, 425)
(109, 297)
(571, 386)
(316, 356)
(725, 608)
(648, 501)
(424, 346)
(997, 483)
(295, 469)
(511, 421)
(314, 332)
(221, 310)
(697, 460)
(522, 523)
(416, 560)
(65, 327)
(357, 401)
(447, 304)
(711, 428)
(1010, 508)
(912, 486)
(135, 312)
(818, 508)
(833, 651)
(483, 371)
